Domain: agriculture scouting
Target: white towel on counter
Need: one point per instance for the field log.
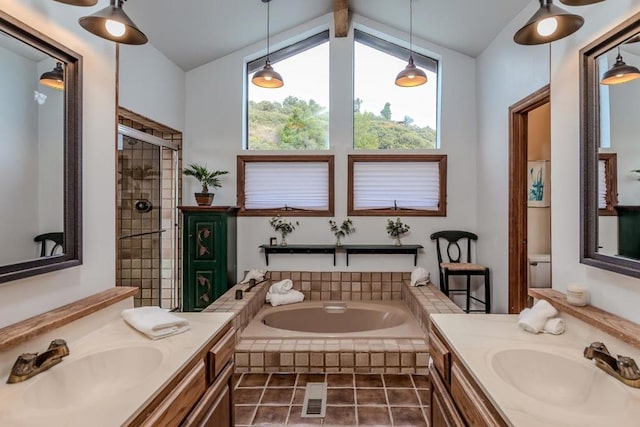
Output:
(281, 287)
(420, 276)
(258, 275)
(290, 297)
(555, 326)
(534, 319)
(155, 322)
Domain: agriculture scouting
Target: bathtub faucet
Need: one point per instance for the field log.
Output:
(624, 368)
(252, 284)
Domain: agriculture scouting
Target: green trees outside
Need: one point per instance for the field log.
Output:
(296, 124)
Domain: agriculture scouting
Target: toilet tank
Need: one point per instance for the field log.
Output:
(539, 271)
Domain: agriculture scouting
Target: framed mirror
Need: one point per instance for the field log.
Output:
(610, 150)
(40, 142)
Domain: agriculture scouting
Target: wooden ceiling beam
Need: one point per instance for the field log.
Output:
(341, 17)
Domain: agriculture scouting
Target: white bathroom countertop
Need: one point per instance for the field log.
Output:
(115, 404)
(476, 339)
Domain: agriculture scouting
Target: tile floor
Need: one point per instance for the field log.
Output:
(352, 399)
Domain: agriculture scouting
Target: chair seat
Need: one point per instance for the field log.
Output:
(462, 266)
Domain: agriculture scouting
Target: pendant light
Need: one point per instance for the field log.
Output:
(113, 24)
(79, 2)
(548, 24)
(579, 2)
(54, 78)
(267, 77)
(620, 72)
(411, 76)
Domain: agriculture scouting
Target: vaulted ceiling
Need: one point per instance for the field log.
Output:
(193, 32)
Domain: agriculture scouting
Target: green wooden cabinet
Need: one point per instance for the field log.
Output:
(629, 231)
(208, 254)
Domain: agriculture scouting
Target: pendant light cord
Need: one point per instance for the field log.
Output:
(410, 27)
(268, 32)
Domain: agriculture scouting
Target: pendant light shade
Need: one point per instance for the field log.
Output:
(112, 23)
(548, 24)
(79, 2)
(54, 78)
(267, 77)
(579, 2)
(620, 72)
(411, 76)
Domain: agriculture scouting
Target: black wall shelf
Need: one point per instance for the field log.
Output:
(349, 250)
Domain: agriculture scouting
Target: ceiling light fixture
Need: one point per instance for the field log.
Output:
(579, 2)
(54, 78)
(112, 23)
(79, 2)
(548, 24)
(411, 76)
(267, 77)
(620, 72)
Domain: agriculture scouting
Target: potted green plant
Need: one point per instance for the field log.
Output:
(207, 179)
(283, 227)
(344, 229)
(396, 229)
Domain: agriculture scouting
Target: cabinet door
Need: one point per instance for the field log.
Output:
(205, 260)
(215, 409)
(443, 412)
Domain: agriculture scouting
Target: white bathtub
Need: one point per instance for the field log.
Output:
(335, 319)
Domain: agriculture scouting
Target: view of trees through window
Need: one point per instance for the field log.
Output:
(295, 116)
(386, 116)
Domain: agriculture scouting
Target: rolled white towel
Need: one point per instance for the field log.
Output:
(542, 308)
(258, 275)
(529, 322)
(420, 276)
(155, 322)
(555, 326)
(290, 297)
(281, 287)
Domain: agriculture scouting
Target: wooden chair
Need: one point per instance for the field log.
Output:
(454, 266)
(56, 238)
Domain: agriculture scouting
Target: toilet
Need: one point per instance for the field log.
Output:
(539, 271)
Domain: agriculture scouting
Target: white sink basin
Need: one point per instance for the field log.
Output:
(560, 381)
(93, 377)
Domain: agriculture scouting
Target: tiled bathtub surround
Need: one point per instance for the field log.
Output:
(336, 355)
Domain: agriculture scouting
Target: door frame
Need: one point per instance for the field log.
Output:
(518, 127)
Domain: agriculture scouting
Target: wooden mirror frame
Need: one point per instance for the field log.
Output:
(72, 190)
(589, 146)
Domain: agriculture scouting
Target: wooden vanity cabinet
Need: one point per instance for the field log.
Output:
(201, 393)
(456, 398)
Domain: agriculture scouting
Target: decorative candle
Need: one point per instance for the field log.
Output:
(577, 294)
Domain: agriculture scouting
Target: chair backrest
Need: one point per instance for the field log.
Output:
(453, 238)
(57, 238)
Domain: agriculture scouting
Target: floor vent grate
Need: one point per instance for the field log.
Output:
(315, 400)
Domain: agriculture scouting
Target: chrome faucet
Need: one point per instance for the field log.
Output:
(31, 364)
(623, 368)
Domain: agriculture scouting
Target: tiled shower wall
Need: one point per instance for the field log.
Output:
(153, 270)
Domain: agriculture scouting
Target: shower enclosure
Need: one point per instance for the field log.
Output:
(146, 226)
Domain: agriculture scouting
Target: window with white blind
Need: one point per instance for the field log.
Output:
(285, 185)
(397, 185)
(607, 184)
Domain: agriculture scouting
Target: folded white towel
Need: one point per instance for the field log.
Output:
(258, 275)
(290, 297)
(281, 287)
(555, 326)
(530, 322)
(542, 308)
(420, 276)
(155, 322)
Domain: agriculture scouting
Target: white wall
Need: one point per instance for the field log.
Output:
(152, 85)
(508, 72)
(214, 129)
(18, 162)
(24, 298)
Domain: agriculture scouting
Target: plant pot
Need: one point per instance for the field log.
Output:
(204, 199)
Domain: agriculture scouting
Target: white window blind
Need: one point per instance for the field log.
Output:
(297, 185)
(384, 185)
(602, 184)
